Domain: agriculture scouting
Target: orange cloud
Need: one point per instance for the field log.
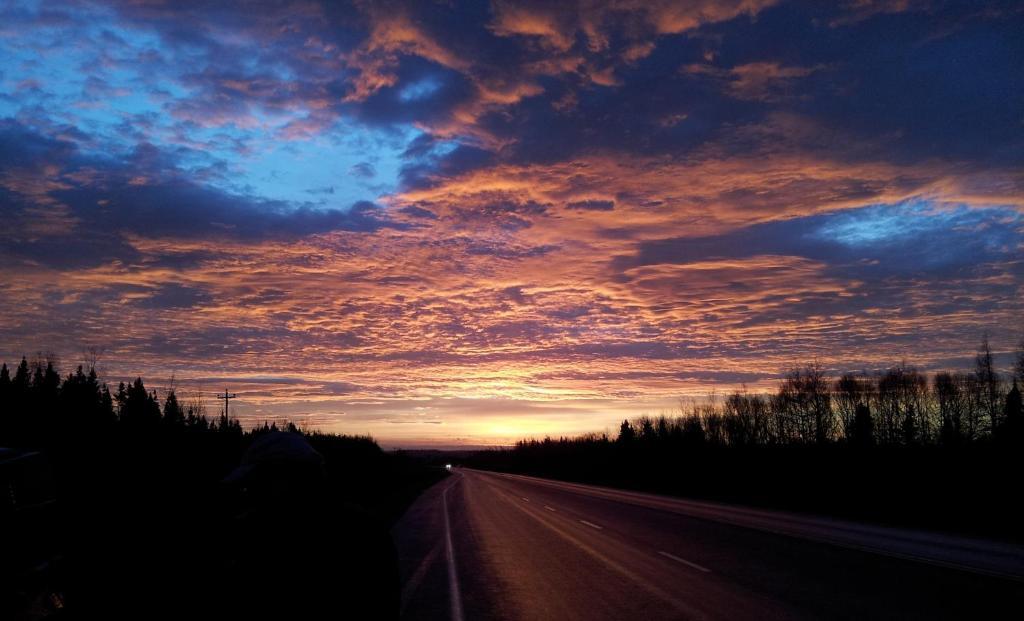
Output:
(556, 283)
(758, 81)
(512, 19)
(390, 37)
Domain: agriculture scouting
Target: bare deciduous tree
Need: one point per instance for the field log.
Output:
(988, 384)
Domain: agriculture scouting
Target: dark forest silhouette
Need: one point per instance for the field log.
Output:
(899, 406)
(119, 509)
(895, 446)
(132, 518)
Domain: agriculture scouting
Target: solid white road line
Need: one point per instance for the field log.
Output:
(685, 562)
(592, 525)
(549, 508)
(453, 576)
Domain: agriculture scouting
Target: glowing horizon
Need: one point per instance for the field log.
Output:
(464, 225)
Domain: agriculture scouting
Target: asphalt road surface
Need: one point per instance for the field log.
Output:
(482, 545)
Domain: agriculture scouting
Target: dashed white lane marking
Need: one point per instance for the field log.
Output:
(552, 509)
(453, 576)
(592, 525)
(685, 562)
(526, 499)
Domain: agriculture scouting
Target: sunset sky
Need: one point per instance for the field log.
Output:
(454, 223)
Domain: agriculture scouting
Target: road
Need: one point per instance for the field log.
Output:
(483, 545)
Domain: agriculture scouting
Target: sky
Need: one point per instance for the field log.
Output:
(448, 223)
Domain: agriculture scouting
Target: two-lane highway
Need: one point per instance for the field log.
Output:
(483, 545)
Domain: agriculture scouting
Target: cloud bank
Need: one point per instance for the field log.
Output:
(468, 222)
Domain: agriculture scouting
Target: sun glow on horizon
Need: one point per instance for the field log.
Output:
(469, 225)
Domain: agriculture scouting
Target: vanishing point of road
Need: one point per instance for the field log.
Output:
(483, 545)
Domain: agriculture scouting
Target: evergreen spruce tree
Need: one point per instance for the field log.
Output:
(174, 417)
(863, 426)
(1013, 425)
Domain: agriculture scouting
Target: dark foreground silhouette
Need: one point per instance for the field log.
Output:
(117, 509)
(896, 446)
(339, 560)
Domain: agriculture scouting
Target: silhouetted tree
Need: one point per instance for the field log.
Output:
(900, 401)
(18, 400)
(626, 433)
(693, 436)
(647, 433)
(662, 428)
(952, 404)
(267, 427)
(84, 404)
(46, 383)
(40, 409)
(195, 415)
(1018, 363)
(174, 417)
(5, 382)
(713, 424)
(851, 391)
(107, 404)
(22, 379)
(6, 414)
(137, 409)
(1013, 417)
(229, 425)
(863, 426)
(911, 426)
(988, 384)
(746, 419)
(804, 398)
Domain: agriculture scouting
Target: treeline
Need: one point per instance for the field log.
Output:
(899, 446)
(39, 407)
(131, 432)
(140, 513)
(899, 406)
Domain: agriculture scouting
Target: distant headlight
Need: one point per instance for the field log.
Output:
(447, 466)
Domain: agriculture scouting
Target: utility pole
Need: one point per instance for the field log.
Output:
(227, 399)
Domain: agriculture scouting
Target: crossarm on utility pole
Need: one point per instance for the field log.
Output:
(227, 397)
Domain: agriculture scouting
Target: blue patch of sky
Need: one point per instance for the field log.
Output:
(259, 162)
(918, 234)
(291, 170)
(443, 148)
(420, 89)
(895, 223)
(63, 60)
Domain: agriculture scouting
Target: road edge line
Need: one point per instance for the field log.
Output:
(453, 574)
(684, 561)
